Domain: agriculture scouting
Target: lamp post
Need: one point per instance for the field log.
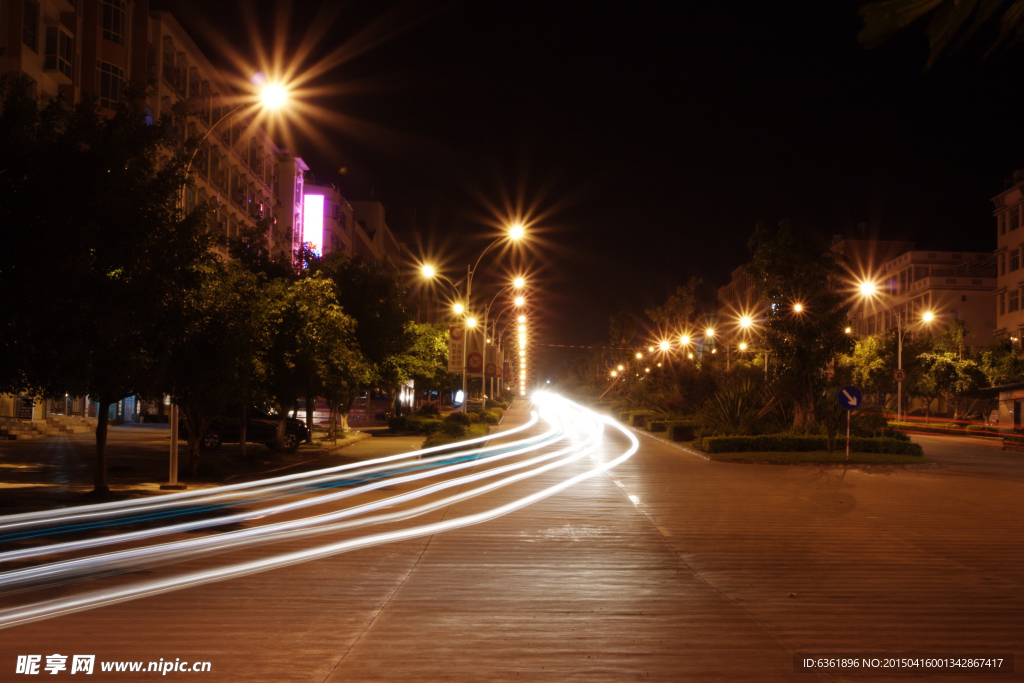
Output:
(869, 291)
(515, 233)
(273, 96)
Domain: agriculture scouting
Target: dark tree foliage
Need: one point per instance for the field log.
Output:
(92, 282)
(790, 268)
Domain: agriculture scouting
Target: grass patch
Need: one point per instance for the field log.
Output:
(838, 457)
(473, 431)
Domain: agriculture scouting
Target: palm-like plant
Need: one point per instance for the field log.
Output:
(950, 19)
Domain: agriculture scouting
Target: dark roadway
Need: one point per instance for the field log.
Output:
(669, 568)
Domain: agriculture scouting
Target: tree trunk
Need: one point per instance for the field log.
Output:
(310, 408)
(282, 423)
(100, 482)
(332, 430)
(242, 423)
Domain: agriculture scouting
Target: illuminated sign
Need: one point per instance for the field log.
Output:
(313, 221)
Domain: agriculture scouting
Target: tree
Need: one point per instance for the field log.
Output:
(622, 329)
(218, 358)
(311, 342)
(951, 19)
(1002, 362)
(953, 379)
(93, 283)
(788, 269)
(676, 313)
(375, 298)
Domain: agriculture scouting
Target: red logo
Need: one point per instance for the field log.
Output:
(474, 362)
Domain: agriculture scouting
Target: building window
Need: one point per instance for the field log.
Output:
(1014, 259)
(113, 20)
(30, 25)
(1002, 264)
(1002, 304)
(1014, 304)
(109, 79)
(1014, 218)
(58, 51)
(1002, 224)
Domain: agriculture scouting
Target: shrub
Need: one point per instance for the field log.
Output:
(429, 409)
(491, 417)
(472, 432)
(657, 426)
(459, 418)
(682, 430)
(452, 429)
(502, 405)
(800, 443)
(414, 425)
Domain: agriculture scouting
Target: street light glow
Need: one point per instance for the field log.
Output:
(458, 309)
(928, 316)
(428, 271)
(516, 231)
(620, 368)
(847, 330)
(798, 307)
(519, 283)
(685, 339)
(746, 321)
(522, 318)
(664, 346)
(274, 96)
(639, 355)
(471, 322)
(691, 355)
(520, 301)
(867, 288)
(743, 346)
(709, 332)
(614, 374)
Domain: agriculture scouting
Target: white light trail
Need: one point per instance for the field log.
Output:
(583, 432)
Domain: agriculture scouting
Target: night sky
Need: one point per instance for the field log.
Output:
(652, 137)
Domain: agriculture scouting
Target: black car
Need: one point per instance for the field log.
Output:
(260, 428)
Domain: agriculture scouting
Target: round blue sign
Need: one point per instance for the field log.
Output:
(850, 398)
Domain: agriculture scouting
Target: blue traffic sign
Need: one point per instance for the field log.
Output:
(850, 398)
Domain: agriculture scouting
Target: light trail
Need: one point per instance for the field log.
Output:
(101, 510)
(580, 428)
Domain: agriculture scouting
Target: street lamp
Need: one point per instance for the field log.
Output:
(868, 291)
(664, 346)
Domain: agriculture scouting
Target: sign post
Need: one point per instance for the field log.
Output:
(850, 399)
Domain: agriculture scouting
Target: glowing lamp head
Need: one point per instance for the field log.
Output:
(520, 301)
(274, 96)
(746, 321)
(516, 232)
(743, 346)
(685, 339)
(471, 322)
(639, 355)
(798, 307)
(928, 316)
(614, 374)
(647, 369)
(709, 332)
(867, 288)
(664, 346)
(690, 356)
(848, 330)
(428, 271)
(522, 328)
(522, 318)
(458, 308)
(519, 283)
(620, 368)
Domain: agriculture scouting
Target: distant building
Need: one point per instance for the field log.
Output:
(329, 220)
(1009, 310)
(383, 246)
(946, 284)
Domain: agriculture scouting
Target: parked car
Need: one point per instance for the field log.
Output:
(260, 428)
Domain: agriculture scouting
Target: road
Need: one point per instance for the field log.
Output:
(668, 567)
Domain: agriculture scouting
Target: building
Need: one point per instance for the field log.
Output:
(382, 245)
(1009, 311)
(946, 284)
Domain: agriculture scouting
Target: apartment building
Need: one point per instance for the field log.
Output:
(383, 247)
(329, 221)
(1009, 214)
(946, 284)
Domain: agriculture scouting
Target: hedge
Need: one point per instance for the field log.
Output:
(678, 430)
(950, 428)
(796, 443)
(472, 432)
(415, 425)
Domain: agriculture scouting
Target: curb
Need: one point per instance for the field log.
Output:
(734, 461)
(326, 453)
